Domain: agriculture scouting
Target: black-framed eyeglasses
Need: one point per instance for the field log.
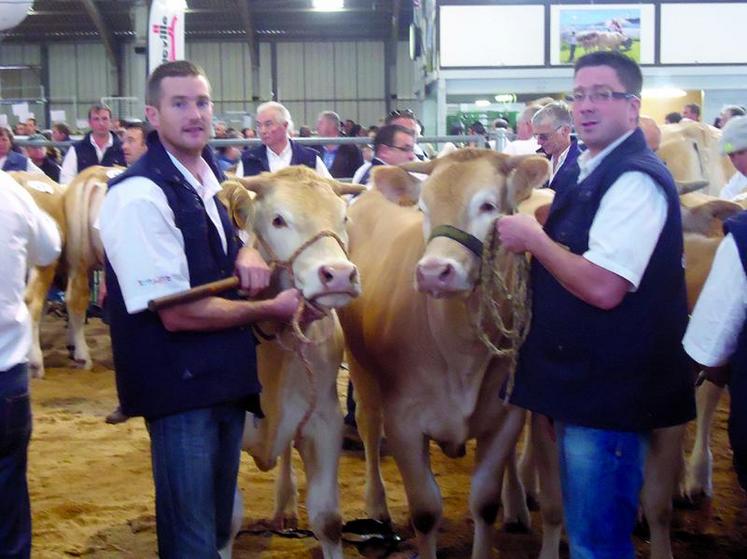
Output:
(599, 96)
(402, 112)
(406, 149)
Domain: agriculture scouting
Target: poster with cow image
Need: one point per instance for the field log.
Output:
(626, 28)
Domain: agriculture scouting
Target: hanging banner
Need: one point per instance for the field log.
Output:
(165, 32)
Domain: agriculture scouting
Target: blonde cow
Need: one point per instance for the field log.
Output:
(49, 197)
(298, 220)
(417, 366)
(691, 152)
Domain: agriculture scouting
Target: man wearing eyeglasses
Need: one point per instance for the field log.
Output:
(406, 118)
(393, 145)
(603, 357)
(552, 127)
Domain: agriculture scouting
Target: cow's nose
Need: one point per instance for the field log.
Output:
(338, 277)
(435, 274)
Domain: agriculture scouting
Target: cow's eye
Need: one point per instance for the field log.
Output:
(487, 207)
(278, 222)
(346, 220)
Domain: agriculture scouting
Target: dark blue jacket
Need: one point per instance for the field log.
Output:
(624, 368)
(255, 159)
(15, 161)
(158, 372)
(86, 153)
(51, 168)
(737, 226)
(568, 170)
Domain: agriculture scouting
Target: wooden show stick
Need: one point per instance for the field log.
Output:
(189, 295)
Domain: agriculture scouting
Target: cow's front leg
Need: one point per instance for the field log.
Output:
(76, 297)
(286, 494)
(528, 469)
(320, 451)
(661, 476)
(410, 450)
(493, 452)
(369, 420)
(699, 474)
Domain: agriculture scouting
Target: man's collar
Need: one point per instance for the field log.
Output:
(283, 151)
(587, 163)
(109, 142)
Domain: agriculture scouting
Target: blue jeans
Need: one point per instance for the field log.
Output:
(195, 458)
(15, 433)
(601, 474)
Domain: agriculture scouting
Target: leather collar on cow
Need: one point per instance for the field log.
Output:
(467, 240)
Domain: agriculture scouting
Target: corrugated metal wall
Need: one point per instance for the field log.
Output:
(347, 77)
(20, 84)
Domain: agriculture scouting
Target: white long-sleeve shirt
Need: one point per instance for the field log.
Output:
(29, 237)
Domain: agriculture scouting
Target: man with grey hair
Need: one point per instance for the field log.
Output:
(524, 143)
(733, 143)
(341, 160)
(728, 112)
(277, 151)
(552, 127)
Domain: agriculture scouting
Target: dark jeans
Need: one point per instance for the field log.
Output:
(738, 424)
(195, 458)
(15, 433)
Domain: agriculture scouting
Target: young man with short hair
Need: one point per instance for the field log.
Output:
(189, 370)
(393, 145)
(99, 147)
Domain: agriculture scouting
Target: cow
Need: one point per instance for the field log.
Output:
(604, 40)
(691, 152)
(416, 362)
(84, 252)
(298, 220)
(49, 196)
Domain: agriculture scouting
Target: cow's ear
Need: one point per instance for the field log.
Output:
(343, 188)
(397, 185)
(708, 219)
(238, 201)
(537, 204)
(258, 184)
(525, 173)
(422, 167)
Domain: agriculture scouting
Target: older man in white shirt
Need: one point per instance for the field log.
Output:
(277, 151)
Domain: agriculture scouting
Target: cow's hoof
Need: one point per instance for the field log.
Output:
(36, 371)
(283, 522)
(515, 527)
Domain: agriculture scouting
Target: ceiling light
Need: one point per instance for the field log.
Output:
(482, 103)
(663, 93)
(506, 98)
(328, 5)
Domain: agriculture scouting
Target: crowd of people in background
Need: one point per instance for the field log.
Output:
(110, 140)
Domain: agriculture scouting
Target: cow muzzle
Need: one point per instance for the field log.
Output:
(440, 277)
(338, 283)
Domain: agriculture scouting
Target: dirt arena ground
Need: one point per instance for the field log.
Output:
(92, 495)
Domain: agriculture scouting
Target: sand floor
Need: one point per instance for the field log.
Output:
(92, 494)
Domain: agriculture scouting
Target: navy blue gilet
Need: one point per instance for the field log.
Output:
(737, 226)
(621, 369)
(15, 161)
(569, 169)
(255, 159)
(86, 153)
(159, 372)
